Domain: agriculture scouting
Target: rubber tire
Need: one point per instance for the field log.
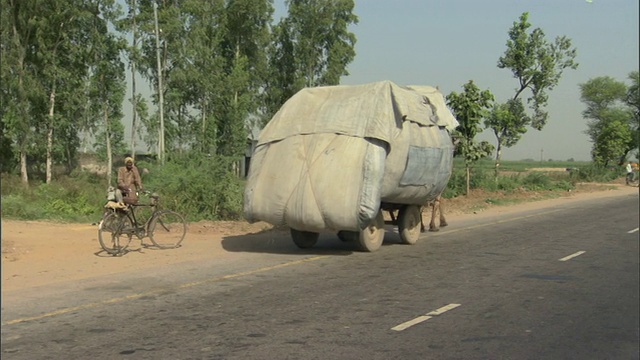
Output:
(409, 224)
(109, 233)
(304, 239)
(370, 238)
(167, 229)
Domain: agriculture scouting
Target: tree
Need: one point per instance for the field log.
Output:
(469, 108)
(312, 47)
(612, 137)
(244, 46)
(537, 64)
(611, 122)
(19, 78)
(508, 122)
(633, 100)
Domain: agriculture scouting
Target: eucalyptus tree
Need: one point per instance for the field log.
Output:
(313, 46)
(162, 52)
(19, 78)
(537, 64)
(247, 37)
(611, 120)
(106, 83)
(469, 108)
(323, 44)
(282, 82)
(129, 26)
(41, 43)
(204, 77)
(7, 88)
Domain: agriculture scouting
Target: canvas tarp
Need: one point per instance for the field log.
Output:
(332, 154)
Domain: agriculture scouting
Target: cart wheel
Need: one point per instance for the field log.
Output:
(371, 237)
(346, 235)
(304, 239)
(409, 224)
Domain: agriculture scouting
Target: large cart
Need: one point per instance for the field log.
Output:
(336, 158)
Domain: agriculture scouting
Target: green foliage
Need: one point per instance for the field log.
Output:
(323, 45)
(613, 122)
(595, 173)
(519, 179)
(312, 46)
(74, 198)
(199, 187)
(537, 64)
(470, 107)
(508, 122)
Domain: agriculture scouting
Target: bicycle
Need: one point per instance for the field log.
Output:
(165, 228)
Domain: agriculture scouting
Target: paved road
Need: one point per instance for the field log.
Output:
(556, 283)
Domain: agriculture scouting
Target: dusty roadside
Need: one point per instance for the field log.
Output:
(39, 253)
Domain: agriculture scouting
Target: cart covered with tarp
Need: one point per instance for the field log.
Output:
(334, 157)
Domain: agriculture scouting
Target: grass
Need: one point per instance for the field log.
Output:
(80, 196)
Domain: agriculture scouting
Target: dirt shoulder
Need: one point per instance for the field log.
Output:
(38, 253)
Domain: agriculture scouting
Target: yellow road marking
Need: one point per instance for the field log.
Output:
(230, 276)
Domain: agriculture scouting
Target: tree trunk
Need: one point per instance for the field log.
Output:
(22, 139)
(52, 102)
(23, 169)
(134, 99)
(160, 87)
(496, 168)
(204, 128)
(468, 179)
(108, 144)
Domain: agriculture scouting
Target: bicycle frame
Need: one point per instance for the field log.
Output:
(127, 223)
(130, 212)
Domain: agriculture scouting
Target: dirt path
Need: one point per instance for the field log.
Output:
(40, 253)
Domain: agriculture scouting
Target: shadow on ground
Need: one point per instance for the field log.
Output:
(278, 241)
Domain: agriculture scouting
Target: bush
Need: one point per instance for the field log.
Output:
(68, 198)
(594, 173)
(199, 187)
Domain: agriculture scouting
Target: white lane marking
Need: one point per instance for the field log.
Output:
(632, 231)
(426, 317)
(410, 323)
(572, 256)
(443, 309)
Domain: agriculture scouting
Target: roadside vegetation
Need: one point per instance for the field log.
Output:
(197, 188)
(218, 72)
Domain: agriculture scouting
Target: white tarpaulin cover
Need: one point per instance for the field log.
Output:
(332, 154)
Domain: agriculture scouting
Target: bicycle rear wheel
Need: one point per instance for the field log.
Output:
(167, 229)
(114, 233)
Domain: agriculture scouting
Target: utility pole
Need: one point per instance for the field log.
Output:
(160, 89)
(541, 155)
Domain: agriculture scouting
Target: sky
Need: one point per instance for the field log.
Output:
(446, 43)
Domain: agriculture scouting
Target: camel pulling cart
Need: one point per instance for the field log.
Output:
(333, 158)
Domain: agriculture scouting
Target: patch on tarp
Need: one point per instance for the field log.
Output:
(423, 166)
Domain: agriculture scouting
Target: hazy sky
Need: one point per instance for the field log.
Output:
(446, 43)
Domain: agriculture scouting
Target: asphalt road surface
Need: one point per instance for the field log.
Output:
(555, 283)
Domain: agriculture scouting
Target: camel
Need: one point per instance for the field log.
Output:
(436, 206)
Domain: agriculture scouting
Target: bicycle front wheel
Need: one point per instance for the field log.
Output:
(114, 233)
(167, 229)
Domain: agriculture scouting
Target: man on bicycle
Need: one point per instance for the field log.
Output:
(129, 182)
